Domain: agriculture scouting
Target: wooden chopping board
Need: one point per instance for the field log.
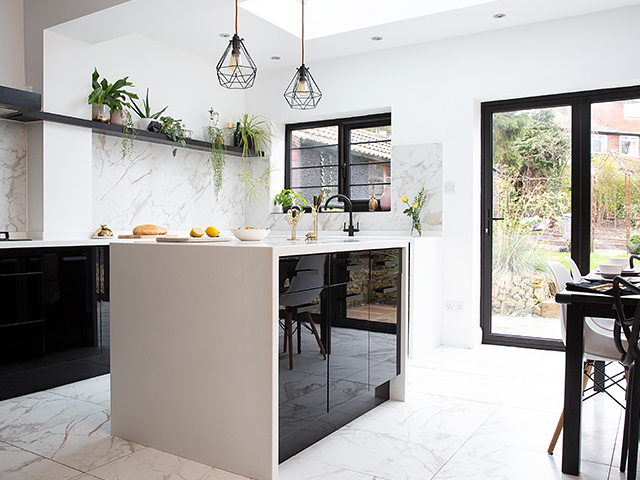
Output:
(145, 236)
(164, 238)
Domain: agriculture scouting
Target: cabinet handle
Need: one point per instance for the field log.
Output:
(355, 296)
(387, 263)
(355, 267)
(386, 289)
(74, 259)
(305, 273)
(9, 260)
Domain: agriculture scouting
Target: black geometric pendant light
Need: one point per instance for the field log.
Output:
(303, 92)
(236, 68)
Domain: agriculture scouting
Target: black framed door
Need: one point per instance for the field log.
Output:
(523, 199)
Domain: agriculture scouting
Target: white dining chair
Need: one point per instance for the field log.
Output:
(599, 344)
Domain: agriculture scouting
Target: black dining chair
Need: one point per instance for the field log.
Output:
(629, 326)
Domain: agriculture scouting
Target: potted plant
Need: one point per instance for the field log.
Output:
(145, 112)
(109, 95)
(173, 129)
(253, 133)
(289, 198)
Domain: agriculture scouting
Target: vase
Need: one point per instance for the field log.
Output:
(416, 227)
(293, 217)
(119, 117)
(385, 199)
(100, 113)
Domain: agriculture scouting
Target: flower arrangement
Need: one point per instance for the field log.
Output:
(413, 211)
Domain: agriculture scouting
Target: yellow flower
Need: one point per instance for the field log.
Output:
(404, 199)
(415, 205)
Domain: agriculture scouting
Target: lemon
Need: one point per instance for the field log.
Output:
(212, 231)
(196, 232)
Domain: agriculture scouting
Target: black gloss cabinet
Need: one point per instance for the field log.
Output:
(54, 317)
(357, 313)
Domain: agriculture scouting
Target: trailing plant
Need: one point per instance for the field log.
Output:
(255, 133)
(145, 111)
(129, 134)
(113, 95)
(217, 157)
(254, 184)
(173, 129)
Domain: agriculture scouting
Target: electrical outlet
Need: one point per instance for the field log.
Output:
(453, 305)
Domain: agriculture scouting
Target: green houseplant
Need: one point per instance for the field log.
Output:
(253, 134)
(172, 128)
(217, 157)
(144, 112)
(289, 198)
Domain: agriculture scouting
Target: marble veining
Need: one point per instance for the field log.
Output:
(13, 176)
(153, 186)
(414, 166)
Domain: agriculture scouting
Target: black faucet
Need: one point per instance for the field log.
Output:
(346, 201)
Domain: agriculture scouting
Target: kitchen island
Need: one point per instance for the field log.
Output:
(195, 342)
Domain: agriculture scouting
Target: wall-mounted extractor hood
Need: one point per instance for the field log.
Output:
(14, 102)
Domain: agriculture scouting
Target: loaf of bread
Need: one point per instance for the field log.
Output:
(149, 229)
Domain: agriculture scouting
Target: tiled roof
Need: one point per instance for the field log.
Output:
(328, 135)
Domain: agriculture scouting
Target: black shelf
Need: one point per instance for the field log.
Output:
(116, 131)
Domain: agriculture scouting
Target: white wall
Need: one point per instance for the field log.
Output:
(12, 41)
(437, 100)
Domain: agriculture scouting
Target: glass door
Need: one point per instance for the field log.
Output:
(559, 181)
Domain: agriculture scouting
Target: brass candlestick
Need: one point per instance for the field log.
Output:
(293, 216)
(314, 235)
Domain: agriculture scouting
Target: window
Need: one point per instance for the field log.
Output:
(351, 156)
(598, 143)
(629, 146)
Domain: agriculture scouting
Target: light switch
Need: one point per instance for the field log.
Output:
(449, 187)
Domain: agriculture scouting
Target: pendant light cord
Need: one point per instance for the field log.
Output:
(302, 32)
(236, 17)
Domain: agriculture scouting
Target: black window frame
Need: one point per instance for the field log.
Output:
(345, 125)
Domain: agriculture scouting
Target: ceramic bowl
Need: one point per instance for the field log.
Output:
(609, 271)
(619, 261)
(252, 234)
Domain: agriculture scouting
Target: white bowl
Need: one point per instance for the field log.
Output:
(619, 261)
(609, 271)
(251, 234)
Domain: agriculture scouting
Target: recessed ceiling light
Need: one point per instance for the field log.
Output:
(224, 35)
(276, 57)
(376, 38)
(500, 15)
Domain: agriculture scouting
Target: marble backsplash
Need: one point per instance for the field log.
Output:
(413, 166)
(13, 176)
(152, 186)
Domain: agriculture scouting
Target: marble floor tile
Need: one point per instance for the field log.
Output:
(391, 451)
(151, 464)
(463, 385)
(306, 469)
(434, 413)
(478, 459)
(72, 432)
(18, 464)
(94, 390)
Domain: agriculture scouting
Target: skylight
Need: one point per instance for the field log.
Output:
(331, 17)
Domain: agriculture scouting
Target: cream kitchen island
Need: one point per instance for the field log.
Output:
(195, 341)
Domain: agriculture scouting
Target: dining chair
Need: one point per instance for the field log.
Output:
(301, 298)
(599, 346)
(628, 348)
(575, 271)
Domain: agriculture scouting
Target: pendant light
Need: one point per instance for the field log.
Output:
(236, 68)
(303, 92)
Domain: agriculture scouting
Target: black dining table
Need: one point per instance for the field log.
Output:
(579, 305)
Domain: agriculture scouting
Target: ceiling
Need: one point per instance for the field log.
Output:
(333, 28)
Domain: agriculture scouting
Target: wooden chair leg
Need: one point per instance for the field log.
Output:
(289, 334)
(315, 333)
(560, 425)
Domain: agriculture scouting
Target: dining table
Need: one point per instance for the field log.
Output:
(582, 302)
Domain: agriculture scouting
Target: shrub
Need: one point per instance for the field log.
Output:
(634, 244)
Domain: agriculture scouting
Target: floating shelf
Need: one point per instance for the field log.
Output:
(116, 131)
